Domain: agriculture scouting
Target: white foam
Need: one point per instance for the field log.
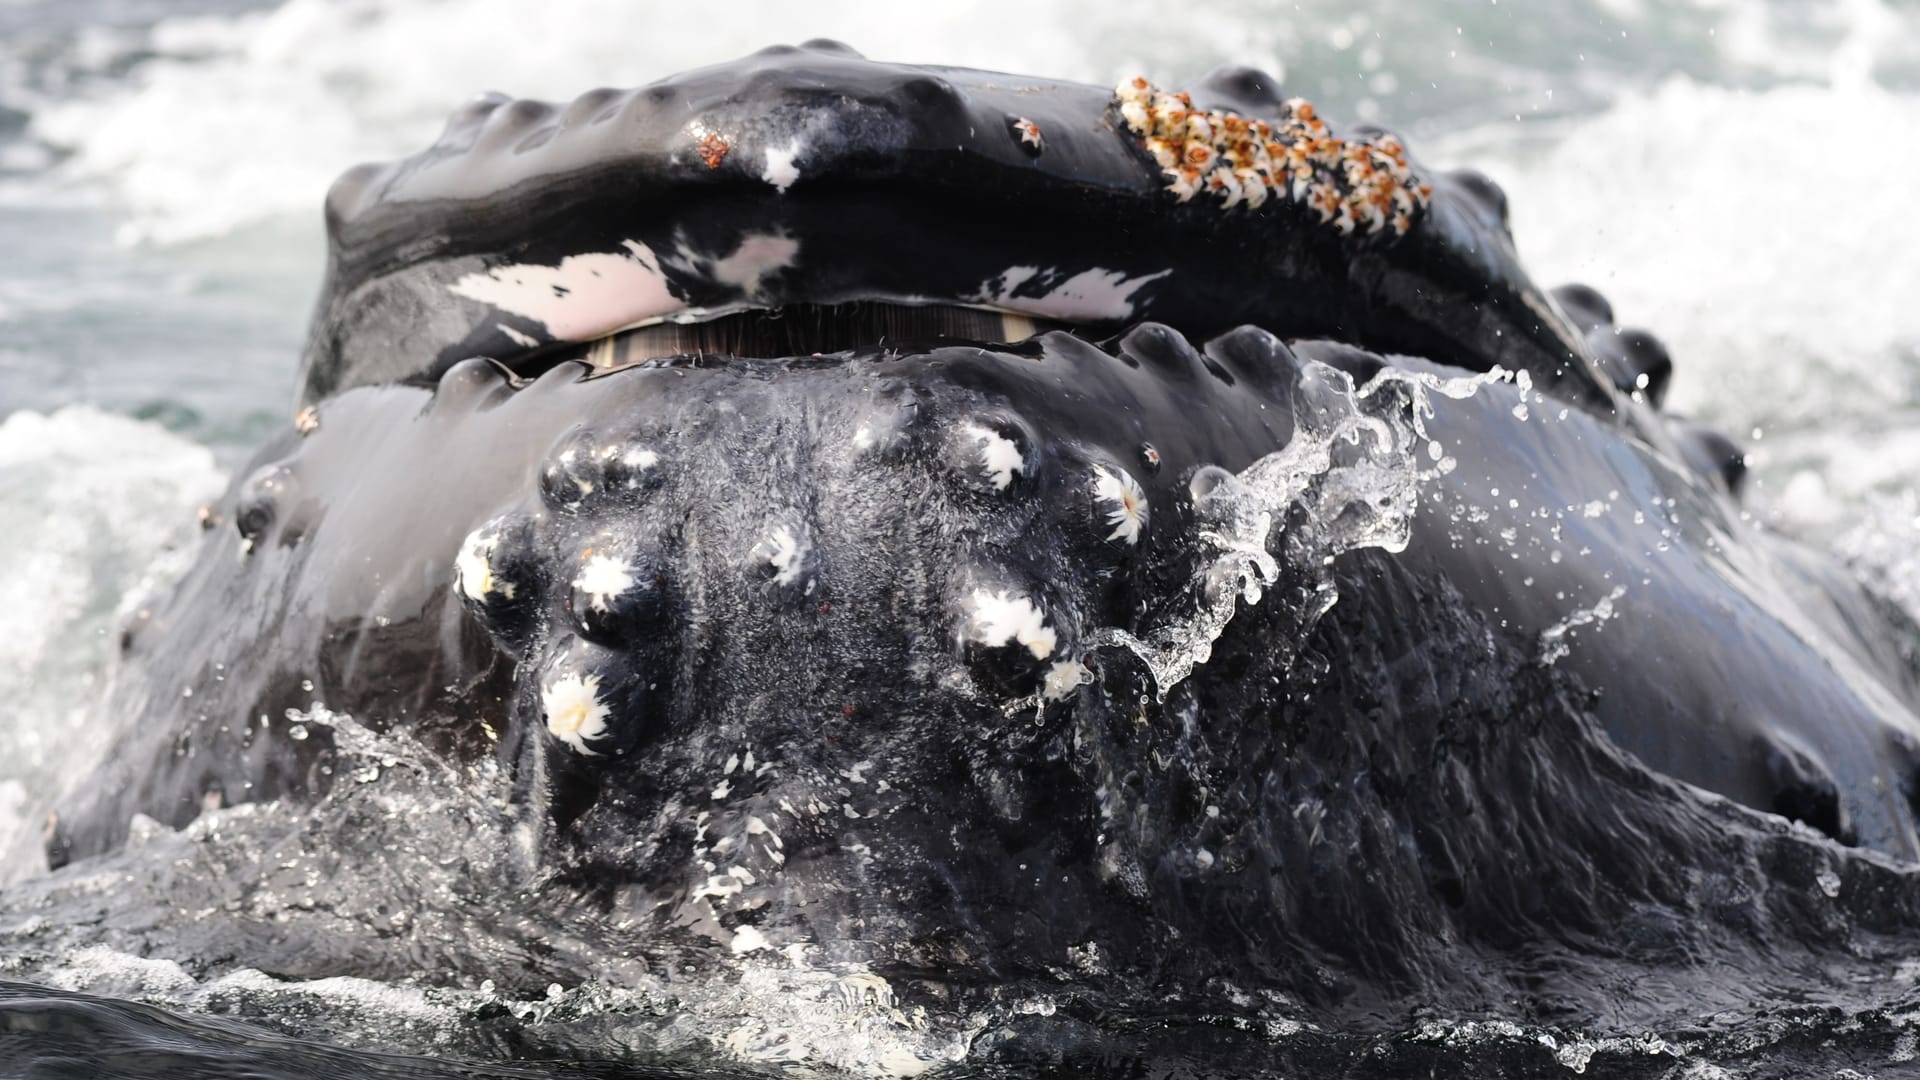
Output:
(87, 499)
(1746, 229)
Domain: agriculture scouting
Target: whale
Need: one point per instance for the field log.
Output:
(988, 528)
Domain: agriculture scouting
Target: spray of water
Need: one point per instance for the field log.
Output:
(1349, 478)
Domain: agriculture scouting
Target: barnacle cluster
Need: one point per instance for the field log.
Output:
(1350, 184)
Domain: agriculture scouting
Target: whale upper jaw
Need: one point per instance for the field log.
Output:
(812, 176)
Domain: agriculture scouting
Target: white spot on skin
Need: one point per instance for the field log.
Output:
(999, 455)
(473, 569)
(781, 172)
(602, 578)
(1001, 619)
(747, 939)
(574, 711)
(1088, 296)
(585, 297)
(1063, 678)
(1126, 504)
(783, 555)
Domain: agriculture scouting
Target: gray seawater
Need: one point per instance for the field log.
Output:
(1731, 173)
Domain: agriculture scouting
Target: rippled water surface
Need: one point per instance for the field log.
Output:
(1731, 174)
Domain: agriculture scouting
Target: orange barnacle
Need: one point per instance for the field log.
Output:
(1199, 154)
(1184, 98)
(713, 149)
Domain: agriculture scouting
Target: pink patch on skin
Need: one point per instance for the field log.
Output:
(585, 297)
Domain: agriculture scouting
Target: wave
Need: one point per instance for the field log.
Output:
(86, 499)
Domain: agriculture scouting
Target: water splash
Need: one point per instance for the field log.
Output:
(1348, 479)
(1553, 640)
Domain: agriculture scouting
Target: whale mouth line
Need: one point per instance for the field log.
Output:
(801, 330)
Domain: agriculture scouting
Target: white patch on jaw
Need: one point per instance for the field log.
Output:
(473, 569)
(1001, 618)
(743, 268)
(585, 297)
(574, 711)
(602, 578)
(757, 256)
(525, 341)
(1090, 295)
(1063, 678)
(781, 172)
(999, 455)
(1126, 504)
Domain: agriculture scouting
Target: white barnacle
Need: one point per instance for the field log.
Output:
(785, 551)
(1124, 502)
(1253, 186)
(1062, 679)
(1184, 183)
(640, 459)
(473, 569)
(1000, 456)
(602, 578)
(1028, 133)
(575, 713)
(1003, 618)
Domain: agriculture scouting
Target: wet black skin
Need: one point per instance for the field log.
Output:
(1416, 808)
(898, 161)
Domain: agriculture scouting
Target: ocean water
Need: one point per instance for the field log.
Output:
(1731, 174)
